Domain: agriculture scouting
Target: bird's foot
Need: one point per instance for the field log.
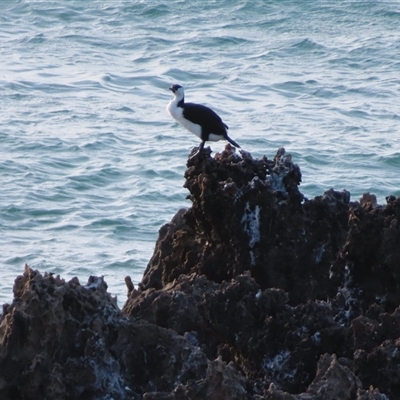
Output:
(195, 151)
(198, 154)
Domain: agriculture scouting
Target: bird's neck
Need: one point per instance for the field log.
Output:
(180, 101)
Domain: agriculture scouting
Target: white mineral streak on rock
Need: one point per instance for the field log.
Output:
(251, 222)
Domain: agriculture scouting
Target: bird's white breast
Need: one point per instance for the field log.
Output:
(177, 113)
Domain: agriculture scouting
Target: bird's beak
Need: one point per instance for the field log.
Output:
(171, 89)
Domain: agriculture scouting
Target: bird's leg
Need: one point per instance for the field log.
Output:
(199, 150)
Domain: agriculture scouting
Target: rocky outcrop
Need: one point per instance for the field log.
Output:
(248, 215)
(62, 340)
(255, 292)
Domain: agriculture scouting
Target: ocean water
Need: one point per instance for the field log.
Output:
(91, 165)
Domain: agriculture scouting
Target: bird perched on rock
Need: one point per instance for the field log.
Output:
(198, 119)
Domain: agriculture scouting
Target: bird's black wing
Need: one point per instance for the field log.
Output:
(204, 116)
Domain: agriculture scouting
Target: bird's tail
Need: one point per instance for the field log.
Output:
(231, 141)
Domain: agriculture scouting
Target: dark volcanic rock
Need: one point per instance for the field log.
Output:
(272, 281)
(61, 340)
(254, 292)
(248, 215)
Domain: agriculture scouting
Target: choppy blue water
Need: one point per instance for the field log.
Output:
(91, 165)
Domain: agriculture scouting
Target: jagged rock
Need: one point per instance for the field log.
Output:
(250, 240)
(333, 381)
(372, 252)
(221, 382)
(62, 340)
(248, 214)
(255, 292)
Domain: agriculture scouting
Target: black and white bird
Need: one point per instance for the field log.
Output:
(198, 119)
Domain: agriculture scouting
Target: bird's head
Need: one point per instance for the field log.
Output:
(177, 90)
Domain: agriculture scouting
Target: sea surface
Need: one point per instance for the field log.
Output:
(91, 165)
